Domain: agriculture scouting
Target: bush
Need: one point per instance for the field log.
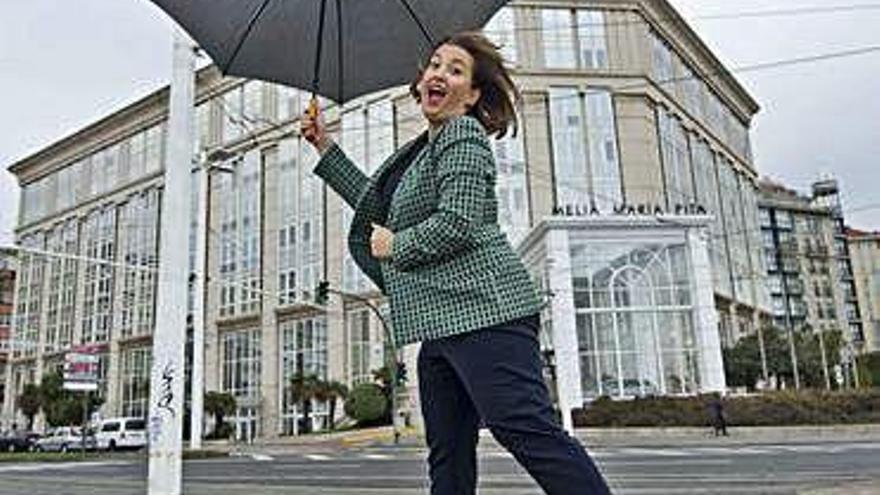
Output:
(366, 404)
(771, 409)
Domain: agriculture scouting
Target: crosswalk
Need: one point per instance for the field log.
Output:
(701, 451)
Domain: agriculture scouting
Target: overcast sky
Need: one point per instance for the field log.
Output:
(65, 64)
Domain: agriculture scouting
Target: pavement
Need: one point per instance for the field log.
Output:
(837, 460)
(604, 438)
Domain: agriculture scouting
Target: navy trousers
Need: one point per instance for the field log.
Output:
(493, 376)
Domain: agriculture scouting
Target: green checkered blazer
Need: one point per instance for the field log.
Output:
(452, 270)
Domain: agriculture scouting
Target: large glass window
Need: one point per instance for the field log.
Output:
(358, 323)
(676, 160)
(585, 157)
(138, 250)
(241, 378)
(135, 381)
(303, 351)
(634, 318)
(501, 29)
(300, 230)
(98, 243)
(29, 299)
(574, 39)
(512, 187)
(240, 224)
(706, 182)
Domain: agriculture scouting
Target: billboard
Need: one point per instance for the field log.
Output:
(81, 370)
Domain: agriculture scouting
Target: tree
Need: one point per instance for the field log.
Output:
(304, 388)
(330, 392)
(29, 403)
(367, 404)
(220, 404)
(742, 363)
(65, 407)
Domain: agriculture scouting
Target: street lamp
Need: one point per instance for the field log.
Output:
(322, 290)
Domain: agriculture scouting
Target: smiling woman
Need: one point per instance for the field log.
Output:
(426, 231)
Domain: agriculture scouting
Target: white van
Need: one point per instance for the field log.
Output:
(122, 433)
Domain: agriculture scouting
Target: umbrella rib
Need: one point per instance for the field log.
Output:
(319, 48)
(244, 37)
(418, 22)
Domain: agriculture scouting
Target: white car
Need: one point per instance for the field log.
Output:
(63, 439)
(122, 433)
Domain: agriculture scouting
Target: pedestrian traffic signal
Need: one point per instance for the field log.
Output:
(322, 292)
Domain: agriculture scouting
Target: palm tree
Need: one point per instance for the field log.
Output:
(29, 402)
(330, 392)
(304, 388)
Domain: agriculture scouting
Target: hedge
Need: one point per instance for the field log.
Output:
(366, 404)
(769, 409)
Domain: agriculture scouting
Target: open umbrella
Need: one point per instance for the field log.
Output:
(340, 49)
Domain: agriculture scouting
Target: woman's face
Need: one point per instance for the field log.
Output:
(446, 87)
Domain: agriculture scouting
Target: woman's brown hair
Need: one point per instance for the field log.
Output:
(499, 96)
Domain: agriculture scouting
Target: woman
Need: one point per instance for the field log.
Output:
(426, 231)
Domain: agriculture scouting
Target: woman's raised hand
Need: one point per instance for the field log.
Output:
(313, 128)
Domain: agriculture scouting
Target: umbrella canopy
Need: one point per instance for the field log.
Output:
(340, 49)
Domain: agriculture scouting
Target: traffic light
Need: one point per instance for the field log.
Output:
(322, 292)
(401, 374)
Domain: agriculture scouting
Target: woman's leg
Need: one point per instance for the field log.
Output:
(450, 425)
(501, 369)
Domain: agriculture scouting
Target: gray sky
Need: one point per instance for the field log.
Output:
(65, 64)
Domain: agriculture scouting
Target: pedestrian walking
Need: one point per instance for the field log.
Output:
(425, 230)
(717, 415)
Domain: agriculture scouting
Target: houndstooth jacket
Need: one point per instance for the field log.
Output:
(452, 270)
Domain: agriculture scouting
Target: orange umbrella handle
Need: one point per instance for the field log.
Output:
(313, 107)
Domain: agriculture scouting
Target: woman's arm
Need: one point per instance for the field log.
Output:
(464, 164)
(334, 167)
(341, 175)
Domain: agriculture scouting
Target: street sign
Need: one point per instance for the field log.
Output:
(81, 371)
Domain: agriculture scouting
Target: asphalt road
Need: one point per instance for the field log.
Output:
(712, 467)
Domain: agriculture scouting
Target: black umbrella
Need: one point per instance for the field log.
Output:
(340, 49)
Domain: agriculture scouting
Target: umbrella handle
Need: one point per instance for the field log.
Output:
(313, 109)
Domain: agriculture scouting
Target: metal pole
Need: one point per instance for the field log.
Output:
(198, 384)
(824, 361)
(85, 421)
(794, 362)
(165, 422)
(763, 350)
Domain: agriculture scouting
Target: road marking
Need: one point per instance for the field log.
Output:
(262, 457)
(318, 457)
(378, 457)
(44, 466)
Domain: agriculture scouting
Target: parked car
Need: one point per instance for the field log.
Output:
(18, 441)
(63, 439)
(122, 433)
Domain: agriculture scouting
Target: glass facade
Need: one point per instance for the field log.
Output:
(135, 381)
(586, 168)
(303, 350)
(300, 222)
(240, 377)
(634, 307)
(574, 39)
(240, 198)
